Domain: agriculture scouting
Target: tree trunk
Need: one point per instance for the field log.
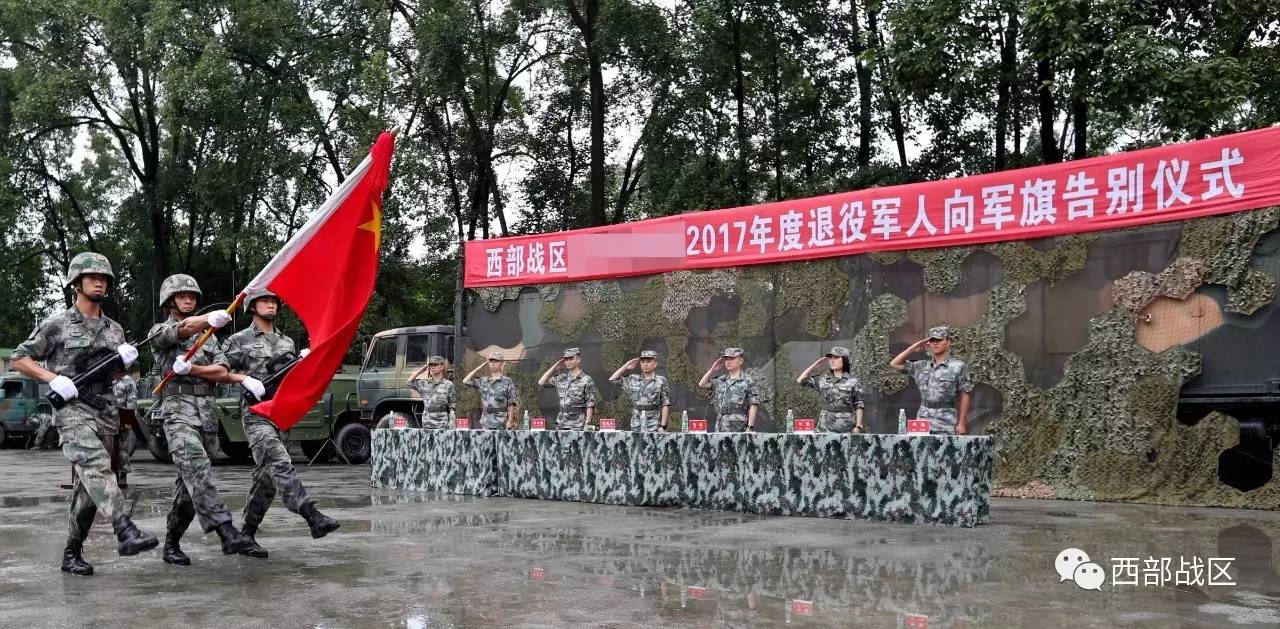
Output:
(863, 71)
(896, 124)
(1048, 111)
(588, 22)
(742, 168)
(1008, 74)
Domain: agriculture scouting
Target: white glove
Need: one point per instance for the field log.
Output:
(181, 367)
(254, 386)
(218, 318)
(63, 386)
(304, 352)
(128, 354)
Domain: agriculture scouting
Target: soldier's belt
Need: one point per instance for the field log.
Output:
(436, 409)
(98, 388)
(838, 410)
(648, 407)
(174, 388)
(734, 410)
(495, 410)
(573, 409)
(939, 406)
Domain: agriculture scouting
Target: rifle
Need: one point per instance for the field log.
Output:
(279, 367)
(95, 367)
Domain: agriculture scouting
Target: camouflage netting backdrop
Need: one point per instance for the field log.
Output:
(1078, 345)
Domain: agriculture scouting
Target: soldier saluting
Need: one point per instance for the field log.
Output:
(439, 400)
(841, 394)
(498, 394)
(735, 394)
(943, 379)
(576, 389)
(253, 353)
(650, 393)
(86, 433)
(186, 411)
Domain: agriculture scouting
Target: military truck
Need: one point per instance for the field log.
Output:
(21, 399)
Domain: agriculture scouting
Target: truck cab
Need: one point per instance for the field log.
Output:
(21, 398)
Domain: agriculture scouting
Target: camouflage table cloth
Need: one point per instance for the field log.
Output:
(932, 479)
(440, 461)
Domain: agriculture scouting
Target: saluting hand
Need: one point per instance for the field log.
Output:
(631, 364)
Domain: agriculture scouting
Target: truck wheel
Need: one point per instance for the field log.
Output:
(355, 442)
(4, 435)
(237, 452)
(312, 448)
(158, 445)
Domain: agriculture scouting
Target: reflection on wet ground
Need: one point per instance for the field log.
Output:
(416, 560)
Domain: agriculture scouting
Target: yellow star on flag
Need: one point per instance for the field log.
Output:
(375, 225)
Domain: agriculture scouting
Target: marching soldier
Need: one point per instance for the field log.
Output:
(735, 395)
(86, 430)
(498, 395)
(943, 379)
(126, 394)
(439, 400)
(841, 394)
(576, 389)
(650, 393)
(185, 412)
(251, 354)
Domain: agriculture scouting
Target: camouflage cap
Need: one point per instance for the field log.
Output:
(571, 352)
(648, 353)
(841, 352)
(940, 332)
(254, 295)
(178, 283)
(435, 360)
(496, 356)
(89, 262)
(731, 352)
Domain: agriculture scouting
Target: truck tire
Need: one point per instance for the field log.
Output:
(311, 448)
(158, 446)
(355, 442)
(4, 435)
(237, 452)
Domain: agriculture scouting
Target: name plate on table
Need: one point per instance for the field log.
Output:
(802, 608)
(697, 425)
(918, 426)
(464, 423)
(693, 591)
(916, 621)
(608, 424)
(537, 574)
(805, 425)
(399, 422)
(538, 423)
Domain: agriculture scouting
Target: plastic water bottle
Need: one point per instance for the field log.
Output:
(684, 421)
(526, 419)
(791, 420)
(902, 421)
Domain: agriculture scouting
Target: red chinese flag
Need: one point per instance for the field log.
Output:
(325, 273)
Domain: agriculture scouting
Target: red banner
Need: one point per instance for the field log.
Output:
(1169, 183)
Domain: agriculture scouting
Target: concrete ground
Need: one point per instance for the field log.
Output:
(405, 560)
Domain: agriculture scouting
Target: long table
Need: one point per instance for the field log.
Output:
(933, 479)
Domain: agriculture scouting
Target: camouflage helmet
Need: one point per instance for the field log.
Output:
(255, 294)
(178, 283)
(89, 262)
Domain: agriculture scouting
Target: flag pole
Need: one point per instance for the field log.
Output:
(204, 338)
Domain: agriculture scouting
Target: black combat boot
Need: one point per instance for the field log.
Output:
(255, 551)
(320, 523)
(72, 561)
(232, 540)
(172, 553)
(131, 540)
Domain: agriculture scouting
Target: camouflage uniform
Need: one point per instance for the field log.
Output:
(841, 396)
(648, 396)
(439, 400)
(252, 351)
(733, 397)
(186, 411)
(577, 394)
(125, 392)
(941, 386)
(496, 396)
(44, 423)
(86, 435)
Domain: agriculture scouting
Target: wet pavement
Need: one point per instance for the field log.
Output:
(413, 560)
